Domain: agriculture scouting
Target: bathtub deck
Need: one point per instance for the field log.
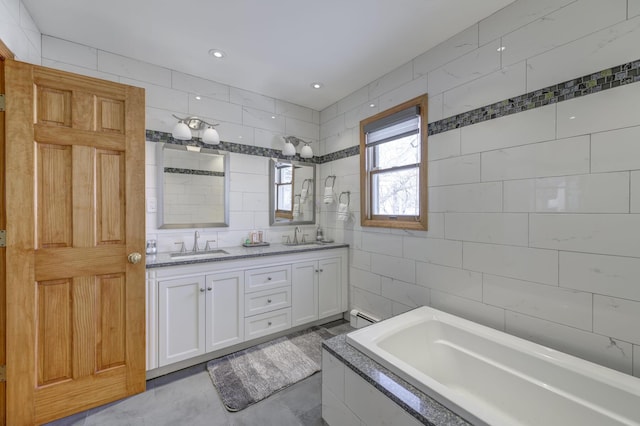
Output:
(415, 402)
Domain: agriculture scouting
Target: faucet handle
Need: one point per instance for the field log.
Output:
(207, 247)
(182, 248)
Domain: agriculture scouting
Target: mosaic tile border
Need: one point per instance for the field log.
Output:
(609, 78)
(192, 172)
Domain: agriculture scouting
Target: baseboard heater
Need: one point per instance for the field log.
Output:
(361, 319)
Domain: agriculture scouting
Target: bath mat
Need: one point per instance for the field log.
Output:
(248, 376)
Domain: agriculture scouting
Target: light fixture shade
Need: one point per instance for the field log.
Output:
(181, 132)
(289, 150)
(211, 136)
(306, 151)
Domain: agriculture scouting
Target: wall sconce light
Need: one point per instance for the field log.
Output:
(182, 130)
(289, 150)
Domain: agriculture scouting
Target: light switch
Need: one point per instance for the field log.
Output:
(152, 205)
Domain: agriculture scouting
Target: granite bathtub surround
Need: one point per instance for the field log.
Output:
(417, 404)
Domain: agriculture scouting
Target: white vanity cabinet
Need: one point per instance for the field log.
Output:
(204, 310)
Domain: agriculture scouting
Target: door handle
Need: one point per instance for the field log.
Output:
(134, 258)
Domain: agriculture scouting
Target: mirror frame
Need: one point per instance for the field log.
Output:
(160, 190)
(272, 185)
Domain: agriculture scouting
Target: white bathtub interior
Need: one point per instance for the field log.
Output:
(490, 377)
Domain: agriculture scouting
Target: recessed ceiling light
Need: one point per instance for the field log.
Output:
(501, 49)
(317, 85)
(198, 98)
(372, 105)
(273, 116)
(573, 117)
(217, 53)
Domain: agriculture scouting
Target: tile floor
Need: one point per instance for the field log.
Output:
(188, 397)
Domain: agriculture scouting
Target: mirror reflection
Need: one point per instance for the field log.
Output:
(193, 187)
(291, 193)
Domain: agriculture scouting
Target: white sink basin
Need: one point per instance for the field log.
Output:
(198, 255)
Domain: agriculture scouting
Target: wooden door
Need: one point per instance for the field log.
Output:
(224, 310)
(75, 211)
(181, 313)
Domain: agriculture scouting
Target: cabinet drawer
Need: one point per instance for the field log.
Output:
(263, 324)
(264, 278)
(267, 300)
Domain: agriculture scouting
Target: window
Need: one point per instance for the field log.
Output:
(393, 167)
(284, 190)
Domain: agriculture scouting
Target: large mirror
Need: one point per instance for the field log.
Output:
(292, 193)
(193, 187)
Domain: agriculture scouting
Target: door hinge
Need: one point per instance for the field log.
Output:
(3, 238)
(3, 376)
(2, 106)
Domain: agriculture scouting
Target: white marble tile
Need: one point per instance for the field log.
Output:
(232, 132)
(636, 359)
(596, 348)
(329, 113)
(635, 192)
(523, 263)
(371, 303)
(593, 193)
(556, 158)
(68, 52)
(536, 125)
(249, 164)
(562, 26)
(161, 97)
(607, 275)
(435, 222)
(360, 259)
(365, 280)
(472, 310)
(247, 182)
(199, 86)
(436, 108)
(391, 81)
(252, 100)
(262, 120)
(516, 15)
(520, 195)
(477, 197)
(598, 112)
(568, 307)
(296, 111)
(407, 294)
(444, 145)
(460, 282)
(134, 69)
(407, 91)
(615, 150)
(397, 268)
(215, 109)
(382, 243)
(495, 228)
(332, 127)
(471, 66)
(433, 250)
(618, 318)
(609, 47)
(457, 170)
(359, 113)
(63, 66)
(306, 130)
(343, 140)
(353, 100)
(458, 45)
(616, 234)
(633, 9)
(502, 84)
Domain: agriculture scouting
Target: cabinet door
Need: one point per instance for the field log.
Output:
(329, 287)
(225, 310)
(181, 314)
(304, 292)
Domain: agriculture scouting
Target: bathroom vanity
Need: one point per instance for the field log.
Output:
(200, 308)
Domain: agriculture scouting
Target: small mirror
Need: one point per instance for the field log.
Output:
(193, 187)
(292, 193)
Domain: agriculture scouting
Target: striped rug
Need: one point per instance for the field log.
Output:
(248, 376)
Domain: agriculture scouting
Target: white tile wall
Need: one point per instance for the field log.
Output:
(520, 195)
(430, 250)
(635, 192)
(472, 310)
(615, 150)
(477, 197)
(633, 8)
(501, 228)
(612, 317)
(444, 145)
(19, 33)
(460, 282)
(464, 42)
(450, 171)
(393, 267)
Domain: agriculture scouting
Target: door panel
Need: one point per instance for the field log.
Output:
(76, 312)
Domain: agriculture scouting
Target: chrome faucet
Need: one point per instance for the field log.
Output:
(295, 234)
(195, 242)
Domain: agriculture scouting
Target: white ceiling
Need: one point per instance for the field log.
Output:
(277, 47)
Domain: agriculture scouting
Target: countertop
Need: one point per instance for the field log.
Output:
(234, 253)
(415, 402)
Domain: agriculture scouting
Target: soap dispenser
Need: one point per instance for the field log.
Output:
(319, 236)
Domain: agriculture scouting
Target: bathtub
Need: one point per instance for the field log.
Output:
(492, 378)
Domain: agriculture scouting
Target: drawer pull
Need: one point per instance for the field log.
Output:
(268, 278)
(321, 270)
(268, 300)
(202, 290)
(317, 270)
(209, 288)
(269, 324)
